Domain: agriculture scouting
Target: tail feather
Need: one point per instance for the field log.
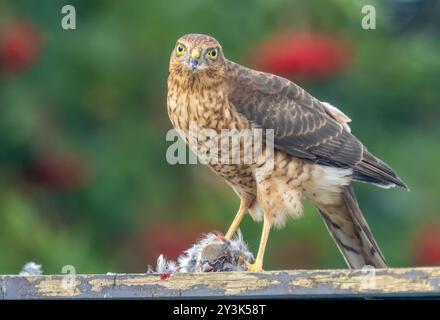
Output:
(351, 233)
(374, 170)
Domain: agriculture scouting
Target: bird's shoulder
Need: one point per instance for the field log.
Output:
(246, 82)
(303, 125)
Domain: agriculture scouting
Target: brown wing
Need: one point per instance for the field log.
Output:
(301, 124)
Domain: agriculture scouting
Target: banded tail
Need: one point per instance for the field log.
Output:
(351, 233)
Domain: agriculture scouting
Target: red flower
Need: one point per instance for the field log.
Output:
(59, 171)
(20, 44)
(427, 245)
(303, 56)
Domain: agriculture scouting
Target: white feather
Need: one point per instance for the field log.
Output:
(325, 187)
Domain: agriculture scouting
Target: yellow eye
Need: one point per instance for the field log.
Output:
(180, 49)
(213, 54)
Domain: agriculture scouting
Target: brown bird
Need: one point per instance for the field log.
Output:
(315, 155)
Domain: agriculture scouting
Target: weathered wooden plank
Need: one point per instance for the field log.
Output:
(408, 282)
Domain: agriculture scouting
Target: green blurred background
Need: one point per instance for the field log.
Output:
(83, 175)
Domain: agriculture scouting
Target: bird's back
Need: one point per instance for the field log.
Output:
(304, 126)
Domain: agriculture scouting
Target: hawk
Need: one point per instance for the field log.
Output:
(315, 155)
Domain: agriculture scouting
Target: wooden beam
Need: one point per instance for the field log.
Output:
(380, 283)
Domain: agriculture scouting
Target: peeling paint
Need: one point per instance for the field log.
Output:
(286, 283)
(54, 288)
(97, 285)
(358, 282)
(233, 283)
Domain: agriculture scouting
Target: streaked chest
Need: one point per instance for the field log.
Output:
(205, 107)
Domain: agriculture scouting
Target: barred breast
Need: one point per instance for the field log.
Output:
(198, 113)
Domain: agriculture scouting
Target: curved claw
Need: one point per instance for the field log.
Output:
(253, 267)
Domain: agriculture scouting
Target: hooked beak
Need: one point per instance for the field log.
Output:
(194, 61)
(193, 64)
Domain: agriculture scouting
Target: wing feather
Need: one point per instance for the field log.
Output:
(303, 127)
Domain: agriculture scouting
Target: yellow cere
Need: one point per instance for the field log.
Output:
(195, 54)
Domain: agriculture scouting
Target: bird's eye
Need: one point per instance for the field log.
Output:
(180, 49)
(213, 54)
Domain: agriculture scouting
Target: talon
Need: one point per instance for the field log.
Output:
(253, 267)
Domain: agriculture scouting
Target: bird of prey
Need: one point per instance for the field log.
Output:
(316, 157)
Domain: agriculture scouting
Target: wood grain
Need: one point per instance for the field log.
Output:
(379, 283)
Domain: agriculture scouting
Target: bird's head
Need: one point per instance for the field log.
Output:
(197, 55)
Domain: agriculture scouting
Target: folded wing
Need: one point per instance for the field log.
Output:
(303, 126)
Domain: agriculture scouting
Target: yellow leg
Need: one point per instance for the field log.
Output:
(257, 266)
(238, 218)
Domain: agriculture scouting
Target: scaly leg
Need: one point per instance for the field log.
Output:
(244, 206)
(257, 266)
